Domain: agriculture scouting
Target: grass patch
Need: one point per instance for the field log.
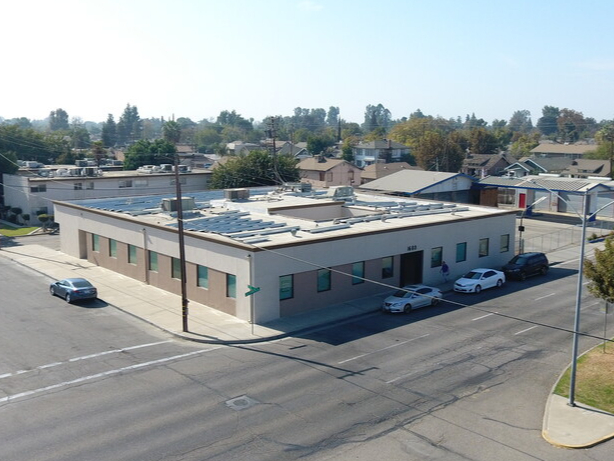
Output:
(594, 379)
(12, 231)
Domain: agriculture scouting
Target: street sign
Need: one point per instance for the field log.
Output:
(252, 290)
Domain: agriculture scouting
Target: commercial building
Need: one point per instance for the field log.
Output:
(295, 251)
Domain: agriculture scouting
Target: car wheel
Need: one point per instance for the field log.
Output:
(407, 308)
(499, 283)
(544, 270)
(51, 291)
(434, 301)
(67, 297)
(477, 289)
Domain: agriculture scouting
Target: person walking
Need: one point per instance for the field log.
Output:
(445, 271)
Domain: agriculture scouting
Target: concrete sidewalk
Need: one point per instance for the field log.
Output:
(563, 425)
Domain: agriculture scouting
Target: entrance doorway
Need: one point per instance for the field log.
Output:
(411, 268)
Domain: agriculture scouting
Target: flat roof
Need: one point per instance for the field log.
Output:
(271, 217)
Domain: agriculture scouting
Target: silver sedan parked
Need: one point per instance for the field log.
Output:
(73, 289)
(412, 297)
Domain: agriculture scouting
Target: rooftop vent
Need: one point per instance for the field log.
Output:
(236, 194)
(170, 204)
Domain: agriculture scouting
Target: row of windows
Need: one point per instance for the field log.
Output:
(202, 272)
(461, 250)
(286, 282)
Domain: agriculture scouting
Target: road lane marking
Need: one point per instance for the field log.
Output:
(542, 297)
(525, 330)
(482, 317)
(380, 350)
(401, 377)
(10, 398)
(84, 357)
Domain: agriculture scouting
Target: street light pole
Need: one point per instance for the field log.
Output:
(576, 326)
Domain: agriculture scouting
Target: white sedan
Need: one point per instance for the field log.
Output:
(478, 280)
(412, 297)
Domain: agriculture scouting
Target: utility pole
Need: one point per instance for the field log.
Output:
(182, 264)
(272, 133)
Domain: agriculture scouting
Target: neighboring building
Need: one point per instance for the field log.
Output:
(434, 185)
(242, 148)
(563, 194)
(304, 251)
(326, 172)
(482, 165)
(380, 169)
(366, 153)
(538, 165)
(34, 191)
(585, 168)
(295, 150)
(551, 149)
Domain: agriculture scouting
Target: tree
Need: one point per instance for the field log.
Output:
(80, 137)
(172, 131)
(523, 145)
(129, 127)
(570, 125)
(8, 163)
(98, 152)
(146, 152)
(317, 144)
(332, 117)
(257, 168)
(109, 132)
(376, 117)
(482, 141)
(521, 121)
(606, 138)
(438, 152)
(58, 120)
(547, 123)
(601, 272)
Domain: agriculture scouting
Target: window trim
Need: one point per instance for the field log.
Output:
(286, 287)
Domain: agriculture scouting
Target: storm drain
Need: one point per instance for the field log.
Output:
(241, 403)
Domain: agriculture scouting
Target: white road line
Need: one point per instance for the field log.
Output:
(482, 317)
(10, 398)
(542, 297)
(401, 377)
(525, 330)
(380, 350)
(593, 304)
(84, 357)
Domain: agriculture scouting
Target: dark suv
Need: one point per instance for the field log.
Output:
(525, 264)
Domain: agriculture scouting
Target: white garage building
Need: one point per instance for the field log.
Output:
(302, 250)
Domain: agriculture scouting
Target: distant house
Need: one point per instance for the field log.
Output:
(296, 150)
(380, 169)
(537, 165)
(242, 148)
(367, 153)
(326, 172)
(433, 185)
(585, 168)
(482, 165)
(551, 149)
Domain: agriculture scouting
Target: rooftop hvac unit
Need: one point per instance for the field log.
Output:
(236, 194)
(170, 204)
(80, 163)
(90, 171)
(166, 167)
(32, 165)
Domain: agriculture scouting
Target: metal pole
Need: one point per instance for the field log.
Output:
(184, 297)
(576, 328)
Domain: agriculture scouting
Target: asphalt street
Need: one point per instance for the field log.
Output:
(466, 380)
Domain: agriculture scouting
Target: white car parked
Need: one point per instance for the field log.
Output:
(412, 297)
(478, 280)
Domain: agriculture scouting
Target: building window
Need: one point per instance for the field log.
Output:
(286, 287)
(436, 256)
(113, 248)
(131, 254)
(483, 248)
(152, 261)
(231, 286)
(95, 242)
(39, 188)
(506, 196)
(461, 252)
(89, 185)
(125, 183)
(387, 268)
(202, 276)
(140, 183)
(78, 186)
(505, 243)
(175, 268)
(358, 273)
(323, 280)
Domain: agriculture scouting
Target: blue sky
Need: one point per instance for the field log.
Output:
(195, 58)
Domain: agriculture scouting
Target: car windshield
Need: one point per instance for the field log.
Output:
(518, 260)
(404, 293)
(472, 275)
(82, 284)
